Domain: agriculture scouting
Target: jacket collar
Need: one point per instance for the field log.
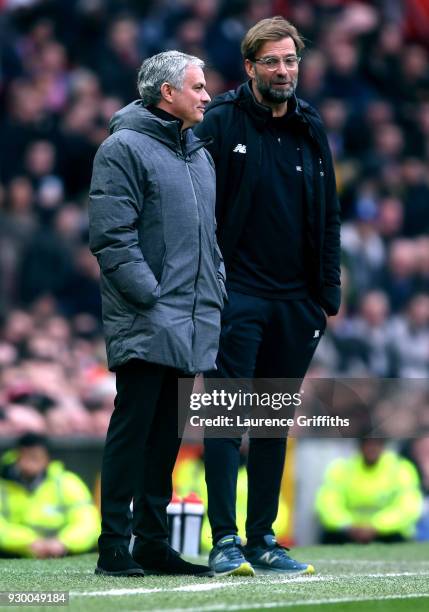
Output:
(170, 133)
(166, 130)
(162, 114)
(260, 113)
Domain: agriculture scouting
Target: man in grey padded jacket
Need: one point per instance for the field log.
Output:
(152, 229)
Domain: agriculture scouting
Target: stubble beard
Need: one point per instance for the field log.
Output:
(275, 96)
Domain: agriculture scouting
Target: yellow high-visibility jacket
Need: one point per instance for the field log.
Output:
(385, 496)
(60, 506)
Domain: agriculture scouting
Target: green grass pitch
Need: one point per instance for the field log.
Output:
(369, 578)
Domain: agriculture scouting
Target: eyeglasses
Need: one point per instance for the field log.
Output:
(272, 63)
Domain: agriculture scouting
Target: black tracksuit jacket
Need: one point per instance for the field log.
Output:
(237, 118)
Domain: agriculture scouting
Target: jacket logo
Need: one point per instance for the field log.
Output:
(299, 168)
(316, 333)
(240, 148)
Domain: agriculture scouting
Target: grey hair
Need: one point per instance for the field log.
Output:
(167, 67)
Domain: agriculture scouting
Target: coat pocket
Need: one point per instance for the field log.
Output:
(155, 259)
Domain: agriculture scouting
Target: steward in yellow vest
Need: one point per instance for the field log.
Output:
(373, 496)
(45, 511)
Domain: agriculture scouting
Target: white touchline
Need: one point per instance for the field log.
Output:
(367, 562)
(286, 604)
(211, 586)
(201, 587)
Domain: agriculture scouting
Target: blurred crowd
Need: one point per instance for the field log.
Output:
(68, 65)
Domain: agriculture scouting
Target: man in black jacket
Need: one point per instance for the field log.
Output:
(279, 231)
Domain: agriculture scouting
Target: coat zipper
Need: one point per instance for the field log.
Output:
(199, 257)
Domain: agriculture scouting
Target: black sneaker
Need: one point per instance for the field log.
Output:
(117, 562)
(162, 559)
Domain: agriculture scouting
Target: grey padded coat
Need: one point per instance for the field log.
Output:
(152, 228)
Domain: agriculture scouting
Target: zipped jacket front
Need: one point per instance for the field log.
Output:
(234, 123)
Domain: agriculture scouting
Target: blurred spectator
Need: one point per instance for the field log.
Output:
(422, 249)
(312, 78)
(373, 496)
(410, 340)
(421, 133)
(119, 58)
(362, 124)
(413, 78)
(415, 193)
(46, 265)
(362, 245)
(334, 115)
(20, 215)
(51, 76)
(79, 136)
(18, 222)
(39, 497)
(383, 59)
(25, 120)
(386, 148)
(82, 292)
(367, 340)
(400, 276)
(390, 218)
(343, 80)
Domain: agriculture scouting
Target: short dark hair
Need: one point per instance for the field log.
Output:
(273, 28)
(31, 439)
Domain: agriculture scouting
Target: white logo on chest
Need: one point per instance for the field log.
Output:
(240, 148)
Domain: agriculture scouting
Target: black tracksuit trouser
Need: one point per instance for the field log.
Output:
(260, 338)
(139, 455)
